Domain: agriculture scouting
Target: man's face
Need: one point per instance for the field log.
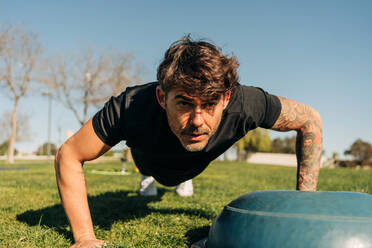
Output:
(192, 119)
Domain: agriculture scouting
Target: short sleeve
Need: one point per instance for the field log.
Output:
(108, 122)
(263, 107)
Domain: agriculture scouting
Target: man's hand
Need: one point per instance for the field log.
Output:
(89, 243)
(307, 122)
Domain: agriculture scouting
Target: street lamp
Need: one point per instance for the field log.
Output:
(49, 95)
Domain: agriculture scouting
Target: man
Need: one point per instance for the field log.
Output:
(176, 127)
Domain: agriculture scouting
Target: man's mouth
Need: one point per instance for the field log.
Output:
(195, 136)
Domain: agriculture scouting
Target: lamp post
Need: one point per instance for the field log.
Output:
(49, 95)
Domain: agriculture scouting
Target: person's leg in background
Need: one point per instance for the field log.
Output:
(148, 187)
(185, 188)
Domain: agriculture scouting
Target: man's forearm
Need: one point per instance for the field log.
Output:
(72, 189)
(309, 152)
(308, 124)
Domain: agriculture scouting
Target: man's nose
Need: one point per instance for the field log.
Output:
(196, 118)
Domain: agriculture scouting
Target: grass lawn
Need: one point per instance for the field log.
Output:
(32, 216)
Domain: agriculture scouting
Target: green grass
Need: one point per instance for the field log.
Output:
(32, 216)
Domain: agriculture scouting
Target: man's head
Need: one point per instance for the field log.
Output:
(196, 81)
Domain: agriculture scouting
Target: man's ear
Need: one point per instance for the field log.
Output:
(226, 98)
(160, 96)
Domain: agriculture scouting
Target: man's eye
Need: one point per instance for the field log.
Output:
(210, 105)
(183, 104)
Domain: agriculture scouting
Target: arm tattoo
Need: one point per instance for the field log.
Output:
(307, 123)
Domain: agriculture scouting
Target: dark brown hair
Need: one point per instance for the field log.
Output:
(198, 67)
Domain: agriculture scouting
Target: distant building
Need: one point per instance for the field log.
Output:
(279, 159)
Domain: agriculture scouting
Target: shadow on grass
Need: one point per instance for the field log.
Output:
(106, 209)
(196, 234)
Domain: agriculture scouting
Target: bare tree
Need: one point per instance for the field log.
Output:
(19, 56)
(89, 79)
(23, 127)
(4, 32)
(123, 73)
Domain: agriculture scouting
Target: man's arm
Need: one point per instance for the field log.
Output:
(307, 122)
(83, 146)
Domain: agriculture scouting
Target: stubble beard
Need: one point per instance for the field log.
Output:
(197, 146)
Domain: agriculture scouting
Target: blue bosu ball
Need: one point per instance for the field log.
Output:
(297, 219)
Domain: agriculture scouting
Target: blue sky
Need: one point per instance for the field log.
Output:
(315, 52)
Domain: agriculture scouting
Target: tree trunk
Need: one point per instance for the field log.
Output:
(85, 110)
(238, 154)
(12, 139)
(129, 155)
(85, 115)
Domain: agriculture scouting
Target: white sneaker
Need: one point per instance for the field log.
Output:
(185, 188)
(147, 186)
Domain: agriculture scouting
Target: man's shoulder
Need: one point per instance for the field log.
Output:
(145, 86)
(250, 94)
(247, 99)
(140, 95)
(239, 97)
(249, 89)
(141, 90)
(141, 103)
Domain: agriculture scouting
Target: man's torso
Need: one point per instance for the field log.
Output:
(136, 116)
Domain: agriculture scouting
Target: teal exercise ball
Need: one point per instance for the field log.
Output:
(294, 219)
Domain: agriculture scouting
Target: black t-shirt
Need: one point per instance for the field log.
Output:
(137, 117)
